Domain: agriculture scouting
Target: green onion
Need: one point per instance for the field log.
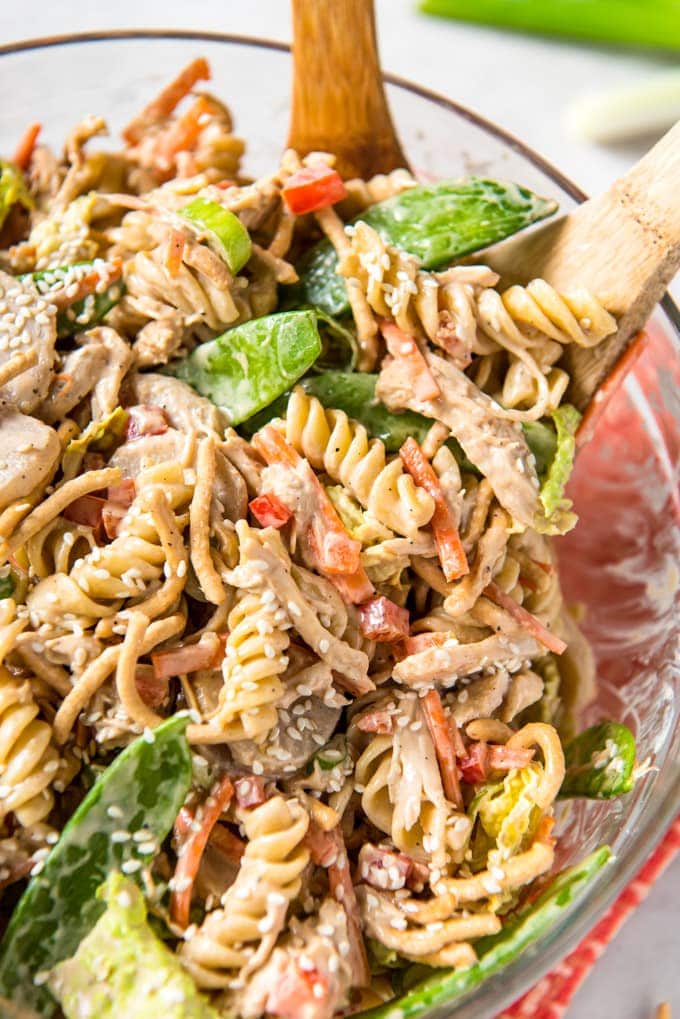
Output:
(622, 22)
(224, 229)
(629, 112)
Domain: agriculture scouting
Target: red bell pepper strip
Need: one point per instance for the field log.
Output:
(383, 621)
(526, 620)
(250, 790)
(475, 767)
(440, 731)
(269, 511)
(189, 658)
(152, 690)
(191, 852)
(312, 188)
(447, 539)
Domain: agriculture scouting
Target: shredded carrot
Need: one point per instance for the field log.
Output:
(529, 622)
(174, 251)
(404, 348)
(24, 150)
(600, 401)
(166, 100)
(190, 854)
(335, 553)
(447, 539)
(183, 134)
(440, 731)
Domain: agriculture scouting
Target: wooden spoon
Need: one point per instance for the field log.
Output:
(339, 102)
(623, 246)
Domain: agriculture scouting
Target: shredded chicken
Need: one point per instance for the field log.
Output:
(496, 446)
(29, 451)
(446, 662)
(184, 408)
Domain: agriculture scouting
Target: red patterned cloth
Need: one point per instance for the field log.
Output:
(551, 995)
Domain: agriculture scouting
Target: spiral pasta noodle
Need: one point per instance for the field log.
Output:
(57, 547)
(334, 443)
(146, 562)
(255, 658)
(29, 762)
(269, 878)
(459, 310)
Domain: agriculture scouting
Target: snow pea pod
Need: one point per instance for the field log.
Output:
(498, 950)
(144, 787)
(600, 762)
(252, 364)
(435, 222)
(85, 312)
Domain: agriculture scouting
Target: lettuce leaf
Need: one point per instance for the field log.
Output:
(507, 811)
(552, 497)
(122, 968)
(12, 190)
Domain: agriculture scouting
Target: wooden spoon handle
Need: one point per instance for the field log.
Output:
(624, 246)
(339, 103)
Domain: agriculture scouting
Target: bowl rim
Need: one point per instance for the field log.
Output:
(260, 42)
(563, 936)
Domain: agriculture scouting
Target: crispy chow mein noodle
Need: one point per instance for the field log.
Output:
(354, 598)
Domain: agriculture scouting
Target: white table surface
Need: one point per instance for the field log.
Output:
(524, 84)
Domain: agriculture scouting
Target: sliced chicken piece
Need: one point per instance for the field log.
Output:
(105, 395)
(184, 408)
(480, 698)
(447, 659)
(230, 489)
(29, 451)
(97, 365)
(159, 340)
(136, 455)
(242, 455)
(525, 689)
(27, 322)
(496, 446)
(79, 371)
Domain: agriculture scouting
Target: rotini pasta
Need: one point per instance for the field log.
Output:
(459, 311)
(237, 936)
(29, 762)
(334, 443)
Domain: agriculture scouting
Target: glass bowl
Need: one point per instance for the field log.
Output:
(621, 561)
